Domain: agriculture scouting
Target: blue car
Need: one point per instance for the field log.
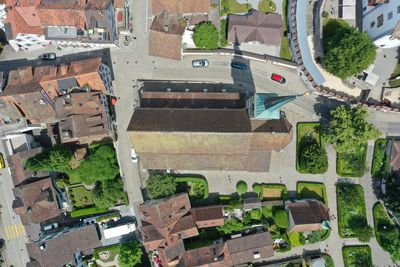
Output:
(238, 65)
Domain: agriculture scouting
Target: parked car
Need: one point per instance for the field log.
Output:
(278, 78)
(238, 65)
(200, 63)
(48, 56)
(2, 163)
(134, 156)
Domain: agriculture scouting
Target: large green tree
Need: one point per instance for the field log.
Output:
(392, 196)
(230, 226)
(359, 226)
(347, 51)
(349, 129)
(206, 36)
(160, 185)
(102, 164)
(130, 254)
(313, 159)
(109, 193)
(55, 159)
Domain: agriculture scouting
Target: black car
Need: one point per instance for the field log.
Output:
(48, 56)
(238, 65)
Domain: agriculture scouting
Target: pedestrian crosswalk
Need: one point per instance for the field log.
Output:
(14, 231)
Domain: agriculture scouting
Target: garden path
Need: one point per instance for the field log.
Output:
(108, 264)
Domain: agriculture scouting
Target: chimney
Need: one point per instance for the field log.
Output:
(63, 69)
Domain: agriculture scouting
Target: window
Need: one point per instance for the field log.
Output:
(398, 9)
(390, 15)
(380, 20)
(372, 24)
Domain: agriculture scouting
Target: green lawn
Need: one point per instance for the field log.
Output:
(352, 164)
(113, 250)
(73, 178)
(306, 131)
(396, 71)
(380, 161)
(285, 49)
(311, 190)
(266, 6)
(357, 256)
(232, 7)
(206, 237)
(296, 239)
(350, 205)
(328, 260)
(83, 197)
(273, 192)
(394, 83)
(86, 212)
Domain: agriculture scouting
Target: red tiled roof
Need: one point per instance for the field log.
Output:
(37, 200)
(166, 36)
(307, 215)
(211, 256)
(209, 216)
(256, 26)
(163, 212)
(60, 250)
(246, 249)
(19, 173)
(62, 17)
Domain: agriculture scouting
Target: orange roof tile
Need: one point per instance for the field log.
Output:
(62, 17)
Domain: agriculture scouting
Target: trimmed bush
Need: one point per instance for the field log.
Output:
(257, 188)
(86, 212)
(241, 187)
(281, 218)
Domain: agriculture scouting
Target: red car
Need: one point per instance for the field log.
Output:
(278, 78)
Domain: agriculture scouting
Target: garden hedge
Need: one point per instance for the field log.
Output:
(201, 180)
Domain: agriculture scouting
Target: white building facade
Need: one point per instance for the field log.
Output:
(381, 20)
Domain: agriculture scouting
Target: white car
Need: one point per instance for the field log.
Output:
(134, 156)
(200, 63)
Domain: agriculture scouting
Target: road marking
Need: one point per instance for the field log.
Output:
(14, 231)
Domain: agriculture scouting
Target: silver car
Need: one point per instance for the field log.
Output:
(200, 63)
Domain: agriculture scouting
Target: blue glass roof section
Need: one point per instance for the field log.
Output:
(268, 105)
(301, 22)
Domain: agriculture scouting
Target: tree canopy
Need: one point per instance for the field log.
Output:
(102, 164)
(230, 226)
(241, 187)
(206, 36)
(347, 51)
(54, 159)
(160, 185)
(130, 254)
(360, 228)
(392, 196)
(313, 159)
(109, 193)
(348, 129)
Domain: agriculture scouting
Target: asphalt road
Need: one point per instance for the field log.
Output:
(11, 228)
